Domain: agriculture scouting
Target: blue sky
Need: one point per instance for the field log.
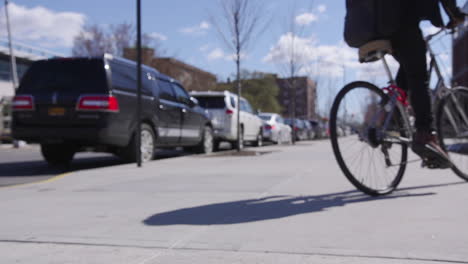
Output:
(174, 20)
(186, 33)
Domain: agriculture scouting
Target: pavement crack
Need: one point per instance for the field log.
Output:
(174, 247)
(78, 244)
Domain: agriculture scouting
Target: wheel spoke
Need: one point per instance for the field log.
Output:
(360, 155)
(452, 127)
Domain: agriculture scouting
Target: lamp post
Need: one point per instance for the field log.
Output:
(14, 73)
(138, 130)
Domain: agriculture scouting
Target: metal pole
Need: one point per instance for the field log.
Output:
(138, 130)
(293, 113)
(239, 91)
(14, 72)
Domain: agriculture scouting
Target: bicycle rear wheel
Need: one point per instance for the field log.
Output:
(372, 159)
(452, 127)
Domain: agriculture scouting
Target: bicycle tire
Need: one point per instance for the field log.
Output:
(351, 174)
(456, 147)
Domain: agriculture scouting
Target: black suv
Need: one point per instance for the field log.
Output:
(73, 104)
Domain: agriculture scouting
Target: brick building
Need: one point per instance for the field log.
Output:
(460, 53)
(306, 97)
(192, 78)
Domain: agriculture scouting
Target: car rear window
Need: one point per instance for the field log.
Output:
(83, 75)
(211, 102)
(265, 117)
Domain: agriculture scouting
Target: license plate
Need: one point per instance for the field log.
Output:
(56, 111)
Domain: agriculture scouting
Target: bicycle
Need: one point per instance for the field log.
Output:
(380, 125)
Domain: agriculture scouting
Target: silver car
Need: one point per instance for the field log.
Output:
(221, 109)
(274, 128)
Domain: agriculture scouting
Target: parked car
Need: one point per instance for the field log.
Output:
(71, 104)
(5, 120)
(319, 128)
(221, 107)
(274, 128)
(298, 127)
(310, 132)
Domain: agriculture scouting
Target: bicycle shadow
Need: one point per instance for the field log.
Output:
(271, 207)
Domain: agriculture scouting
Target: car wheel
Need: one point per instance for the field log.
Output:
(279, 138)
(259, 141)
(207, 143)
(216, 145)
(58, 154)
(147, 147)
(239, 143)
(147, 143)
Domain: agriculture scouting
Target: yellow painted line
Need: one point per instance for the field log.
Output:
(54, 178)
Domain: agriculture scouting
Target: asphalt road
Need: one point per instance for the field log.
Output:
(290, 205)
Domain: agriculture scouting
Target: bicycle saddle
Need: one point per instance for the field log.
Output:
(374, 50)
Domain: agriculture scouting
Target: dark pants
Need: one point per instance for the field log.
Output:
(409, 49)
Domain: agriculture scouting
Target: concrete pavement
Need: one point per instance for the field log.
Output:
(291, 205)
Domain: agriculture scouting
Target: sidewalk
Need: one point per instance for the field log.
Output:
(290, 205)
(21, 145)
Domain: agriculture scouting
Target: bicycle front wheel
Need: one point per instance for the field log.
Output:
(452, 127)
(373, 155)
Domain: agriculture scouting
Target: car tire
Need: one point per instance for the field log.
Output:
(148, 139)
(278, 139)
(216, 145)
(241, 142)
(58, 154)
(234, 144)
(259, 141)
(207, 143)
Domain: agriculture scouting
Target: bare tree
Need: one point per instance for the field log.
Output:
(92, 41)
(95, 40)
(236, 23)
(123, 35)
(291, 61)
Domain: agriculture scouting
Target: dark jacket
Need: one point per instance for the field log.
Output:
(430, 10)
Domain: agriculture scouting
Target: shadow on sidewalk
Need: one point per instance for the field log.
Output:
(272, 207)
(39, 167)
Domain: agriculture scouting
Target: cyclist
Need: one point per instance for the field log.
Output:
(409, 49)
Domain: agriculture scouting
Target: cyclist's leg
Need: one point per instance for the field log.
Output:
(410, 51)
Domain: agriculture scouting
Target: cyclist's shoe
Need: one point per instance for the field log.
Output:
(426, 145)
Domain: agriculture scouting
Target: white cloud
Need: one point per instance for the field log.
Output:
(306, 19)
(219, 54)
(322, 8)
(44, 26)
(323, 60)
(200, 29)
(216, 54)
(158, 36)
(205, 48)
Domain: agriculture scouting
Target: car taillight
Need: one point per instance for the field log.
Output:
(98, 103)
(269, 127)
(229, 112)
(23, 102)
